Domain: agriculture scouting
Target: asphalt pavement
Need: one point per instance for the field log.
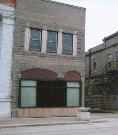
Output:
(100, 124)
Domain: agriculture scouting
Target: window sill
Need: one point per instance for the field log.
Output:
(46, 54)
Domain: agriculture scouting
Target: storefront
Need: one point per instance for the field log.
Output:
(42, 89)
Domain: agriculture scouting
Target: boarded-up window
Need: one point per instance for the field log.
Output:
(28, 93)
(72, 93)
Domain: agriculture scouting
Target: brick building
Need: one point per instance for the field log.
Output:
(7, 11)
(102, 74)
(49, 59)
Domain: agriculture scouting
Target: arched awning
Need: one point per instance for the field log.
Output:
(72, 76)
(38, 74)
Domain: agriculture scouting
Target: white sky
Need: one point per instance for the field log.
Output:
(101, 19)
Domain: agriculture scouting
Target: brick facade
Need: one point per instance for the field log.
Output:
(45, 14)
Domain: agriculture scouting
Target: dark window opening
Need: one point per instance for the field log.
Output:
(50, 94)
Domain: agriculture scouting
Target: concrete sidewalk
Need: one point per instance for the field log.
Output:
(20, 122)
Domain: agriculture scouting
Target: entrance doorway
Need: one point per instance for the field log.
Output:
(51, 93)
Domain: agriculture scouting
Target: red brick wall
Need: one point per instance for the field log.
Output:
(47, 112)
(9, 2)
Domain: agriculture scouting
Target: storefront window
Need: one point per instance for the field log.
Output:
(49, 93)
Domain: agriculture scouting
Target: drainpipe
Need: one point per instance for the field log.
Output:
(89, 62)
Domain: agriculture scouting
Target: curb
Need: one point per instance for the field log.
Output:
(51, 124)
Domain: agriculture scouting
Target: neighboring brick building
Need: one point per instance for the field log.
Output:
(49, 59)
(8, 2)
(102, 74)
(7, 11)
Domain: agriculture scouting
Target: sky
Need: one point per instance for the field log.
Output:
(101, 19)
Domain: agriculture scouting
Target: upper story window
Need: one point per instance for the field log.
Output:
(94, 63)
(41, 40)
(35, 40)
(67, 43)
(52, 42)
(109, 59)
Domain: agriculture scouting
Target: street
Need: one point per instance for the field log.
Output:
(109, 127)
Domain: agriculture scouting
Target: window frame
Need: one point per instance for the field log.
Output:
(40, 39)
(63, 44)
(19, 99)
(56, 41)
(109, 60)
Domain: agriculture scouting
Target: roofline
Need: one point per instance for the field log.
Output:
(105, 38)
(110, 36)
(97, 51)
(89, 51)
(60, 3)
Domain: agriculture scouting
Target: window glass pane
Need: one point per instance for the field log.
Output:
(35, 43)
(72, 96)
(72, 84)
(52, 42)
(94, 63)
(109, 58)
(67, 43)
(28, 97)
(28, 83)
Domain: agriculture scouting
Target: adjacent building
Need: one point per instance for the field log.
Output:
(49, 59)
(102, 75)
(7, 11)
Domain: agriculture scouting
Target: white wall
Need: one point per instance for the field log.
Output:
(6, 45)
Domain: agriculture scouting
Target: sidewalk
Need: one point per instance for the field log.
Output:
(20, 122)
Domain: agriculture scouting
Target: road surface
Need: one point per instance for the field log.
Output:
(97, 128)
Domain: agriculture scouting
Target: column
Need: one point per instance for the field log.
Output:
(27, 38)
(44, 41)
(6, 67)
(74, 44)
(59, 48)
